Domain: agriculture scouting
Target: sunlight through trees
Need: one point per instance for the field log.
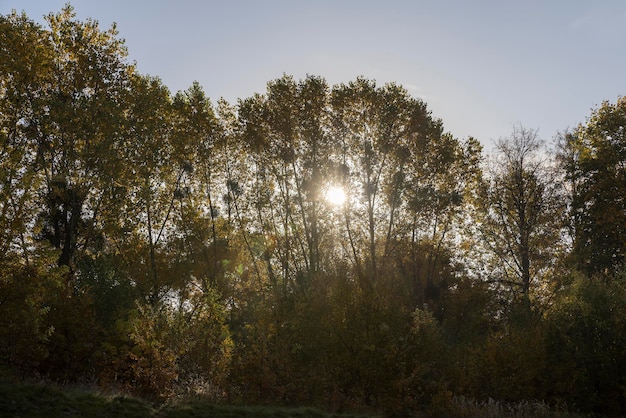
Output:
(312, 244)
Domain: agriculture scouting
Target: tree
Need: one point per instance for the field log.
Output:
(288, 151)
(24, 79)
(198, 145)
(59, 103)
(521, 215)
(391, 150)
(594, 158)
(75, 126)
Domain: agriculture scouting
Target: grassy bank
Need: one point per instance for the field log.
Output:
(32, 400)
(38, 400)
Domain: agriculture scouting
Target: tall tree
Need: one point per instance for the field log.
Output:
(151, 178)
(284, 132)
(404, 176)
(61, 101)
(25, 69)
(29, 273)
(198, 147)
(76, 127)
(521, 214)
(594, 158)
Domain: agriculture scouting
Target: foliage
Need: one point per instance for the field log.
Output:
(26, 296)
(594, 159)
(586, 336)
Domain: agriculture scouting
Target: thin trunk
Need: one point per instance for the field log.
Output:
(524, 249)
(310, 260)
(215, 262)
(153, 265)
(357, 260)
(259, 213)
(242, 229)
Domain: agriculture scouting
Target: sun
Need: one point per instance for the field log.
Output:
(335, 195)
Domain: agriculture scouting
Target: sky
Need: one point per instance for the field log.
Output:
(481, 66)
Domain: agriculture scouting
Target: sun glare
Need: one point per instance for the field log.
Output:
(335, 195)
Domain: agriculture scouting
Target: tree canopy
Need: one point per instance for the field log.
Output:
(328, 245)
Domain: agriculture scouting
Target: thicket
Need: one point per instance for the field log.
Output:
(313, 245)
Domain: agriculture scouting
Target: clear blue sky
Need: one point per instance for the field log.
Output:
(481, 66)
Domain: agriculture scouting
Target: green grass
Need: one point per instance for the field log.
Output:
(38, 400)
(30, 401)
(203, 409)
(48, 401)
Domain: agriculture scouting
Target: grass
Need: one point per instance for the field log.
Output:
(39, 400)
(48, 401)
(33, 400)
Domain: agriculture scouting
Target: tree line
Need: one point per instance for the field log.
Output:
(164, 245)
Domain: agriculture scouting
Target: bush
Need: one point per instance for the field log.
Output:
(586, 340)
